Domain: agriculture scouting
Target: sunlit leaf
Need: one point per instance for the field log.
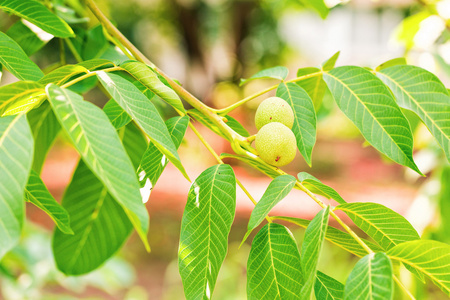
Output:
(311, 248)
(144, 113)
(367, 102)
(14, 59)
(316, 186)
(279, 73)
(37, 193)
(99, 145)
(422, 92)
(63, 74)
(150, 80)
(432, 258)
(116, 115)
(153, 161)
(20, 96)
(384, 225)
(331, 62)
(391, 63)
(328, 288)
(371, 278)
(206, 222)
(36, 13)
(277, 190)
(236, 126)
(314, 85)
(304, 127)
(16, 154)
(273, 267)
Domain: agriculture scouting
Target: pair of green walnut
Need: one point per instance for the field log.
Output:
(275, 142)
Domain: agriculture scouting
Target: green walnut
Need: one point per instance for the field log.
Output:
(276, 144)
(274, 109)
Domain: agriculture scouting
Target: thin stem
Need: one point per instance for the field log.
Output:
(74, 51)
(220, 161)
(188, 97)
(87, 75)
(336, 217)
(400, 284)
(230, 108)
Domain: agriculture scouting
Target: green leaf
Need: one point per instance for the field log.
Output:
(45, 128)
(116, 115)
(371, 278)
(316, 186)
(25, 37)
(264, 168)
(99, 145)
(153, 161)
(20, 96)
(99, 223)
(328, 288)
(331, 62)
(277, 190)
(37, 193)
(304, 127)
(151, 81)
(236, 126)
(206, 222)
(13, 58)
(384, 225)
(95, 44)
(319, 6)
(273, 267)
(432, 258)
(391, 63)
(422, 92)
(311, 248)
(278, 72)
(314, 86)
(144, 113)
(337, 237)
(367, 102)
(16, 154)
(95, 64)
(36, 13)
(63, 74)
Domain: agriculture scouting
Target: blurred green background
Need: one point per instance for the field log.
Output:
(208, 45)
